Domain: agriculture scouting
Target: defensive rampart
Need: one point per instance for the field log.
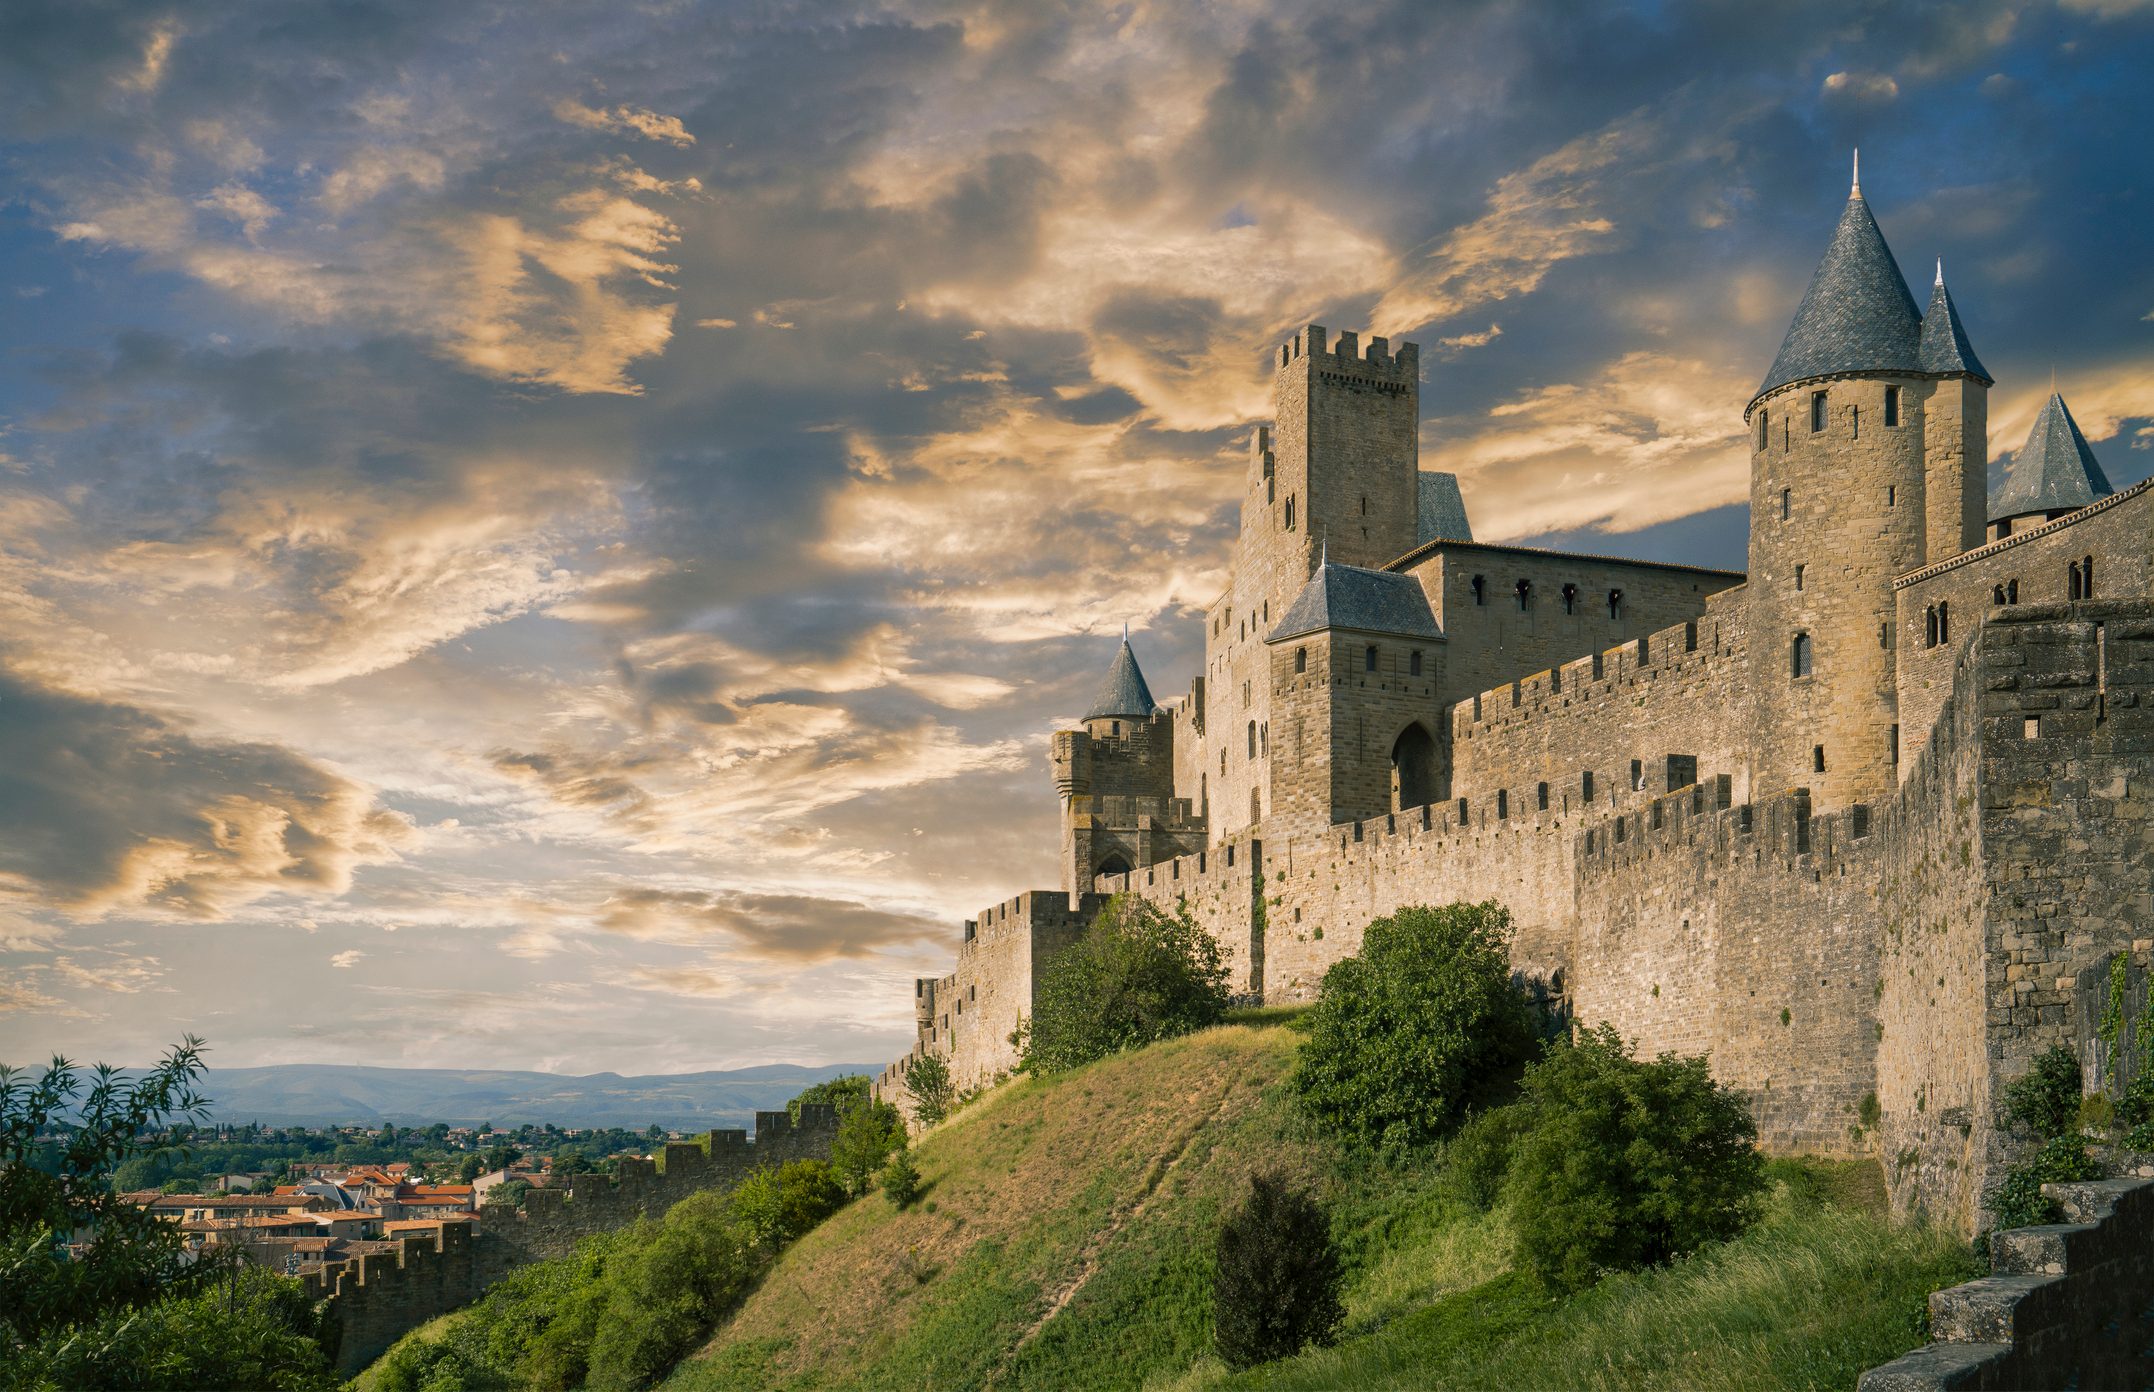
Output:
(379, 1298)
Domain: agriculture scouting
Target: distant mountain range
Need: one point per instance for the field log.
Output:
(330, 1094)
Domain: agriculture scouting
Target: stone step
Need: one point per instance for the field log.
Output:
(1935, 1368)
(2048, 1250)
(1994, 1309)
(2092, 1200)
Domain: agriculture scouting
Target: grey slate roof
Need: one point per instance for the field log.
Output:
(1368, 601)
(1443, 511)
(1123, 693)
(1857, 315)
(2054, 471)
(1944, 347)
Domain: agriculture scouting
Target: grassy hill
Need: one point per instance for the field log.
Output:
(1066, 1240)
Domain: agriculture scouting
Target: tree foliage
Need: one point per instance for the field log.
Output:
(867, 1133)
(843, 1093)
(1275, 1288)
(900, 1178)
(932, 1089)
(1137, 975)
(2045, 1099)
(1625, 1163)
(1404, 1037)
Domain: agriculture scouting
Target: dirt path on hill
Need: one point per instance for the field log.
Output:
(1088, 1259)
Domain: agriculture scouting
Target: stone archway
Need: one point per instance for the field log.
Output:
(1413, 768)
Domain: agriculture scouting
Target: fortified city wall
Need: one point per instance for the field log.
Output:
(381, 1297)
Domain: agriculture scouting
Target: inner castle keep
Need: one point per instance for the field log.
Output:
(1868, 822)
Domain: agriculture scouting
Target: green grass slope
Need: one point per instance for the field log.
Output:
(1065, 1240)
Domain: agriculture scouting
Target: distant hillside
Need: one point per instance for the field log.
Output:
(330, 1094)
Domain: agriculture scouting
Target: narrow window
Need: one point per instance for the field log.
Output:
(1615, 604)
(1364, 505)
(1271, 489)
(1503, 805)
(1787, 498)
(1884, 636)
(1116, 728)
(1892, 747)
(1801, 660)
(1480, 590)
(1245, 695)
(1892, 495)
(1929, 627)
(1892, 406)
(1264, 738)
(1368, 658)
(2086, 577)
(2071, 581)
(1524, 590)
(1817, 758)
(1540, 796)
(1637, 776)
(1996, 596)
(1585, 785)
(1570, 599)
(1764, 425)
(1222, 760)
(1798, 577)
(1290, 512)
(1252, 739)
(1301, 659)
(2011, 591)
(1817, 412)
(1413, 663)
(1944, 621)
(1854, 421)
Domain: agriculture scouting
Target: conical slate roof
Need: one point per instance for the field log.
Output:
(1368, 601)
(1123, 694)
(1944, 347)
(2054, 472)
(1857, 315)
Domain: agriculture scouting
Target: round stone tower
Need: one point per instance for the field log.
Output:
(1847, 492)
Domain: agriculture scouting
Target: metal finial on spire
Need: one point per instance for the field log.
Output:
(1940, 270)
(1855, 190)
(1125, 633)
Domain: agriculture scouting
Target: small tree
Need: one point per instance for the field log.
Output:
(1137, 975)
(847, 1090)
(900, 1179)
(1275, 1289)
(867, 1133)
(1626, 1164)
(2045, 1099)
(1425, 1021)
(933, 1091)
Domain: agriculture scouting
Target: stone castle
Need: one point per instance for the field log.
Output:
(1868, 822)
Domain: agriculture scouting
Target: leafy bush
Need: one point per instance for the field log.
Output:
(844, 1092)
(1405, 1036)
(867, 1133)
(1478, 1157)
(2021, 1203)
(775, 1206)
(1627, 1164)
(900, 1179)
(2045, 1099)
(933, 1091)
(1275, 1289)
(1137, 975)
(662, 1300)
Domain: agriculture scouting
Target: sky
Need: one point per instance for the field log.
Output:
(556, 536)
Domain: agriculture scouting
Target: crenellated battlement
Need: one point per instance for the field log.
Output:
(1378, 364)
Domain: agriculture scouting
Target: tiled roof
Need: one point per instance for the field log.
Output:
(1443, 511)
(1368, 601)
(1857, 315)
(2054, 471)
(1944, 347)
(1123, 693)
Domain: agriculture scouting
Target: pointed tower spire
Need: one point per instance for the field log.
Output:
(2055, 471)
(1858, 315)
(1122, 694)
(1855, 186)
(1944, 346)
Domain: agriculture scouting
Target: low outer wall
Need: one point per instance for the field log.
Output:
(378, 1299)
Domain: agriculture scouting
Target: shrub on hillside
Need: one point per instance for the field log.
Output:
(1403, 1037)
(1275, 1289)
(867, 1133)
(933, 1091)
(1136, 976)
(2045, 1099)
(672, 1288)
(1626, 1163)
(900, 1179)
(775, 1206)
(1477, 1159)
(2021, 1203)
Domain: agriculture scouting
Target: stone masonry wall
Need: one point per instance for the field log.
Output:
(378, 1299)
(1223, 888)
